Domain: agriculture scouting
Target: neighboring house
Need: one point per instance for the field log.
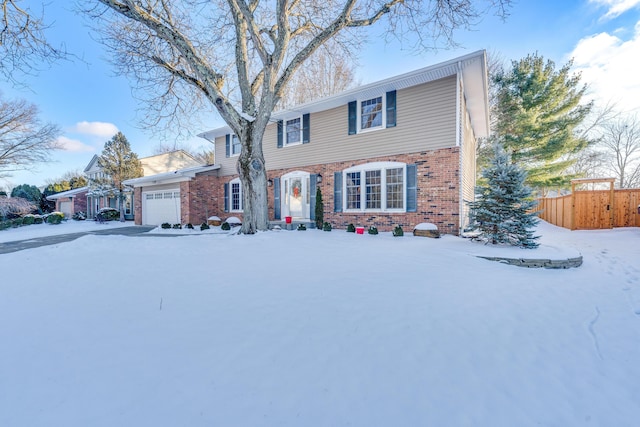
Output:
(91, 201)
(399, 151)
(71, 201)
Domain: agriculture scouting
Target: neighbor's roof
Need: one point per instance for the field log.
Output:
(170, 177)
(473, 68)
(68, 193)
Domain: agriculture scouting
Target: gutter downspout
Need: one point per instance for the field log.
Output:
(459, 92)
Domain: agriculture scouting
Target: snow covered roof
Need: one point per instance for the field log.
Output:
(68, 193)
(475, 86)
(169, 177)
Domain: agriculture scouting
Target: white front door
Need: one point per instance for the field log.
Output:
(295, 190)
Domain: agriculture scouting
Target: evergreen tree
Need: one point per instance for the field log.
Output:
(537, 113)
(319, 209)
(502, 212)
(28, 192)
(119, 163)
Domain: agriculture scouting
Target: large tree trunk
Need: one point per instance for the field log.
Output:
(253, 176)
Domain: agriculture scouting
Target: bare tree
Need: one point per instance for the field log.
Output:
(24, 139)
(329, 71)
(239, 56)
(23, 45)
(620, 142)
(204, 156)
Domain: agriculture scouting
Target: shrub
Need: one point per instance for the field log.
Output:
(16, 222)
(110, 214)
(5, 224)
(165, 226)
(302, 227)
(189, 226)
(177, 227)
(79, 216)
(373, 230)
(38, 220)
(397, 231)
(28, 219)
(319, 208)
(204, 226)
(13, 207)
(55, 218)
(225, 226)
(351, 228)
(326, 226)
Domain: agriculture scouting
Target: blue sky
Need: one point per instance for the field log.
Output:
(90, 103)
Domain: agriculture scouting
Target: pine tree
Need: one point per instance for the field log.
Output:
(119, 163)
(537, 112)
(502, 212)
(319, 209)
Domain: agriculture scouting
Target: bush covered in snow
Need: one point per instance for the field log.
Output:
(165, 226)
(79, 216)
(55, 218)
(397, 231)
(204, 226)
(14, 207)
(28, 219)
(110, 214)
(373, 230)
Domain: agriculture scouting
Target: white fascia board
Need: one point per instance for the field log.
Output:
(68, 193)
(170, 177)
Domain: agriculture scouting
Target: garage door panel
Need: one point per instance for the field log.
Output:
(161, 206)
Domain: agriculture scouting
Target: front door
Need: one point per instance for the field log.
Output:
(296, 195)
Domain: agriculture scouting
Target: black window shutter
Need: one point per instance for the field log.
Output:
(306, 131)
(337, 191)
(226, 197)
(280, 131)
(353, 117)
(313, 180)
(228, 146)
(276, 198)
(391, 109)
(412, 188)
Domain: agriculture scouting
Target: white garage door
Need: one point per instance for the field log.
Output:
(65, 208)
(161, 206)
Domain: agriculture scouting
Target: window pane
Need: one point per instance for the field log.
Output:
(395, 188)
(353, 190)
(293, 131)
(235, 145)
(371, 113)
(373, 186)
(235, 196)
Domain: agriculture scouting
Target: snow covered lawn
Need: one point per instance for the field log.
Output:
(319, 329)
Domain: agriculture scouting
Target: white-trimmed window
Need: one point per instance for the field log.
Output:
(371, 114)
(293, 131)
(236, 146)
(376, 186)
(235, 195)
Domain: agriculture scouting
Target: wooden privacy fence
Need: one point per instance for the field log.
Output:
(592, 209)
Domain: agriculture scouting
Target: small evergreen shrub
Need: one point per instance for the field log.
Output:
(16, 222)
(177, 227)
(397, 231)
(165, 226)
(110, 214)
(326, 226)
(204, 226)
(302, 227)
(5, 224)
(55, 218)
(351, 228)
(373, 230)
(190, 226)
(225, 226)
(28, 219)
(319, 209)
(38, 220)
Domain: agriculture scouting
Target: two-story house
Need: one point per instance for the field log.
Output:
(398, 151)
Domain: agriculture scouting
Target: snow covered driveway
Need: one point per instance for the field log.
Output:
(319, 329)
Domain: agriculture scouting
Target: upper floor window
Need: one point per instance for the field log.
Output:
(294, 131)
(371, 113)
(235, 145)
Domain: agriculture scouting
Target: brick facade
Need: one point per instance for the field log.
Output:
(438, 194)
